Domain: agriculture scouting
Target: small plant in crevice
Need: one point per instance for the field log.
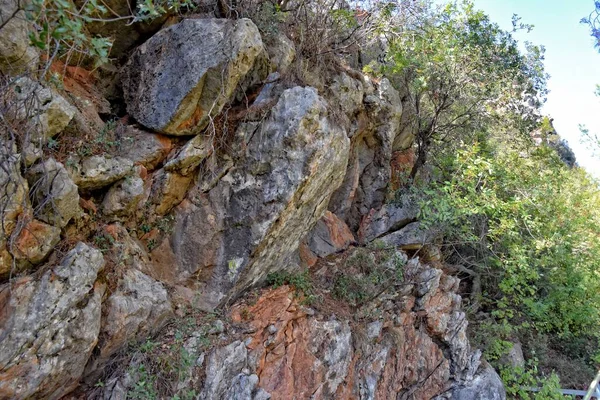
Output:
(300, 281)
(367, 273)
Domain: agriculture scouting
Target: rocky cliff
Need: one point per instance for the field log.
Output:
(226, 170)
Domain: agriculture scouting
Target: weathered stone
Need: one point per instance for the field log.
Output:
(368, 174)
(144, 148)
(182, 76)
(411, 237)
(49, 327)
(256, 215)
(16, 54)
(54, 194)
(224, 364)
(330, 235)
(97, 172)
(402, 165)
(123, 197)
(281, 51)
(139, 308)
(389, 217)
(47, 113)
(34, 243)
(486, 385)
(168, 190)
(190, 155)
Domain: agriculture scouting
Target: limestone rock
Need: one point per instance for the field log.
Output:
(16, 55)
(34, 243)
(224, 364)
(411, 237)
(190, 155)
(281, 51)
(368, 174)
(13, 198)
(140, 307)
(388, 218)
(97, 172)
(55, 196)
(123, 197)
(168, 190)
(50, 326)
(47, 113)
(486, 385)
(330, 235)
(256, 215)
(186, 73)
(144, 148)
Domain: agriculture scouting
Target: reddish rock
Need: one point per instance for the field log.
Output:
(308, 258)
(402, 163)
(330, 235)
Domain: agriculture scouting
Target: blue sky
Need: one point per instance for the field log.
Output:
(571, 60)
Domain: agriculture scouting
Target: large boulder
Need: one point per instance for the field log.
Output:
(49, 326)
(55, 196)
(16, 54)
(184, 75)
(254, 218)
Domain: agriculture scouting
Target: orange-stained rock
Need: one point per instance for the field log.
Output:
(402, 163)
(308, 258)
(330, 235)
(34, 242)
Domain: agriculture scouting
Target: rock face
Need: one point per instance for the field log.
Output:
(256, 215)
(186, 73)
(123, 197)
(49, 327)
(368, 174)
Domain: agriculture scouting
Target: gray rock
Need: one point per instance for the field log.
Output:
(54, 194)
(390, 217)
(368, 174)
(281, 51)
(97, 172)
(190, 155)
(256, 215)
(144, 148)
(182, 76)
(224, 365)
(139, 308)
(16, 54)
(330, 235)
(411, 237)
(486, 385)
(50, 327)
(123, 197)
(45, 111)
